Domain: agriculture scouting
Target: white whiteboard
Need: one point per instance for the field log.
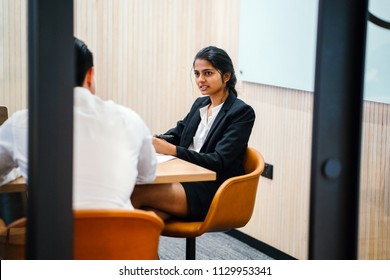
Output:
(278, 46)
(377, 68)
(278, 42)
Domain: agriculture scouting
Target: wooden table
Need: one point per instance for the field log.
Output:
(18, 185)
(174, 170)
(178, 170)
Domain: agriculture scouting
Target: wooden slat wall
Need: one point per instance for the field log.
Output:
(374, 233)
(13, 54)
(144, 50)
(282, 133)
(143, 55)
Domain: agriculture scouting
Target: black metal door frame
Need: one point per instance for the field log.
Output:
(50, 89)
(337, 122)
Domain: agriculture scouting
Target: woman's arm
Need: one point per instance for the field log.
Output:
(7, 163)
(164, 147)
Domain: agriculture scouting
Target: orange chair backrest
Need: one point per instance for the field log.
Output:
(116, 235)
(233, 203)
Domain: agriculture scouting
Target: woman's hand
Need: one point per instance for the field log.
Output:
(164, 147)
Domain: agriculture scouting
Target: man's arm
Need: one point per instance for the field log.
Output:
(147, 162)
(7, 163)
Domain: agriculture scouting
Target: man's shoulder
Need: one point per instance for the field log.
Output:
(106, 109)
(128, 115)
(126, 111)
(19, 118)
(20, 114)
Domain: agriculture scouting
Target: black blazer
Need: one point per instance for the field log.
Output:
(226, 142)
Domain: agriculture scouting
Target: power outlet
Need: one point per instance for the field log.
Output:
(268, 171)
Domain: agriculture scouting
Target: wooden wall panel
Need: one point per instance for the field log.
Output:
(144, 50)
(374, 228)
(282, 133)
(143, 56)
(13, 54)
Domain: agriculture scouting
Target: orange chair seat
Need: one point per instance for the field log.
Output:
(182, 229)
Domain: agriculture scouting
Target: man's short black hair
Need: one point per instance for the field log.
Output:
(83, 61)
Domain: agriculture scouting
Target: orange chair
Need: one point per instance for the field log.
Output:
(231, 207)
(98, 235)
(116, 235)
(12, 240)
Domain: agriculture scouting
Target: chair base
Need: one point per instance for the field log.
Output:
(190, 248)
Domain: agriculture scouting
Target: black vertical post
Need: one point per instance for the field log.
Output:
(337, 129)
(190, 248)
(50, 86)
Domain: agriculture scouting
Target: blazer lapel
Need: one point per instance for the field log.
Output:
(193, 124)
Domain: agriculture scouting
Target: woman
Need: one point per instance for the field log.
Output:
(214, 134)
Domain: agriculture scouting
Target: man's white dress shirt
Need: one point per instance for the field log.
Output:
(112, 151)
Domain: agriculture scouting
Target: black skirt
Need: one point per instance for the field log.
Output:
(199, 197)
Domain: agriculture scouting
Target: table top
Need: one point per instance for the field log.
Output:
(171, 171)
(18, 185)
(178, 170)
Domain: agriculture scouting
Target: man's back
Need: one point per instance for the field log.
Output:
(111, 142)
(112, 151)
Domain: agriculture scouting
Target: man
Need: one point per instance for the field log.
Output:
(113, 148)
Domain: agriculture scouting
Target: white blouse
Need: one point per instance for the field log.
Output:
(204, 127)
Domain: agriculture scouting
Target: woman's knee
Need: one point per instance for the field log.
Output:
(136, 197)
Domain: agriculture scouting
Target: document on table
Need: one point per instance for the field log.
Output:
(163, 158)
